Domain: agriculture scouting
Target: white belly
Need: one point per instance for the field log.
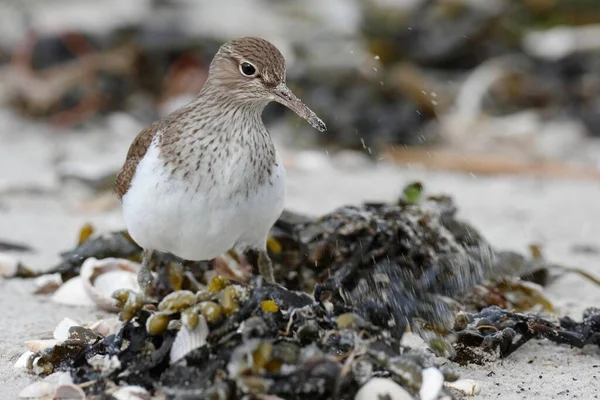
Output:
(169, 215)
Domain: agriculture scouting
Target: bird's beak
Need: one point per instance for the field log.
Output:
(285, 96)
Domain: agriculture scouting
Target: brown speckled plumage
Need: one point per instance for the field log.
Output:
(192, 136)
(137, 151)
(134, 155)
(207, 177)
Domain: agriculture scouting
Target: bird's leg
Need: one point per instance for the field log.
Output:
(265, 267)
(145, 277)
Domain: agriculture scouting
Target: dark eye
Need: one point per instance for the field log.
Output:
(247, 68)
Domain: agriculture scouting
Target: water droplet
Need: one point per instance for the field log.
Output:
(376, 57)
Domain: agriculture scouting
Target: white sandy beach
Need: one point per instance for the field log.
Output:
(512, 212)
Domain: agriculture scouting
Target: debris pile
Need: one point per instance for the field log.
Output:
(357, 280)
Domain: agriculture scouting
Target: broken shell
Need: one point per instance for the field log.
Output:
(177, 301)
(61, 332)
(468, 387)
(62, 378)
(211, 311)
(39, 345)
(72, 293)
(101, 278)
(24, 360)
(188, 340)
(157, 323)
(381, 388)
(131, 393)
(38, 391)
(47, 284)
(106, 326)
(229, 301)
(8, 265)
(433, 381)
(69, 391)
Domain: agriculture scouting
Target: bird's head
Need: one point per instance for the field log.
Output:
(252, 70)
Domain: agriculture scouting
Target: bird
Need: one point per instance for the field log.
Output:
(207, 177)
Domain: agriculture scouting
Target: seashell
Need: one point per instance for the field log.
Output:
(177, 301)
(8, 265)
(39, 391)
(61, 332)
(41, 344)
(24, 360)
(70, 392)
(107, 326)
(101, 278)
(131, 393)
(72, 293)
(59, 378)
(433, 381)
(48, 283)
(468, 387)
(188, 340)
(381, 388)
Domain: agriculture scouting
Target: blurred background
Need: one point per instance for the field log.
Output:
(475, 87)
(517, 79)
(494, 102)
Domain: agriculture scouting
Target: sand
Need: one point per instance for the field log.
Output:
(39, 209)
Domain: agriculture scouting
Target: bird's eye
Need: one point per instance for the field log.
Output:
(247, 69)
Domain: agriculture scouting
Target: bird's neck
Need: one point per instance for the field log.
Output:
(215, 135)
(224, 112)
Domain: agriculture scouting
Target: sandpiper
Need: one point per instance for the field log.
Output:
(207, 177)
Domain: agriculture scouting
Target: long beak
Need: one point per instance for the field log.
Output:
(285, 96)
